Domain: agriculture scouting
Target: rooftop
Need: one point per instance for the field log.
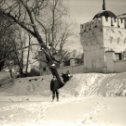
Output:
(105, 13)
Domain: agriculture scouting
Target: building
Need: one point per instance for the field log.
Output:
(122, 16)
(104, 42)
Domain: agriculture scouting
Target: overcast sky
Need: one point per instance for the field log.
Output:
(82, 11)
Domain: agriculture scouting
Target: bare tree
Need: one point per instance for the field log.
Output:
(61, 40)
(7, 35)
(28, 15)
(18, 45)
(55, 29)
(28, 54)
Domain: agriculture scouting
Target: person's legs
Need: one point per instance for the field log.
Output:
(57, 95)
(53, 95)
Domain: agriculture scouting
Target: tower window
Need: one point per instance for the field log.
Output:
(118, 56)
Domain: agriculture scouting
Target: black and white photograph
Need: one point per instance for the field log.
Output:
(62, 62)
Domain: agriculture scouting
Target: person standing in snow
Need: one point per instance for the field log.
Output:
(55, 85)
(54, 88)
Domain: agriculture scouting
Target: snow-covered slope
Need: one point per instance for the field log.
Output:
(73, 109)
(97, 84)
(86, 84)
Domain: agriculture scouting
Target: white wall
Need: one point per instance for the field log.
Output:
(112, 65)
(92, 42)
(100, 35)
(109, 62)
(114, 38)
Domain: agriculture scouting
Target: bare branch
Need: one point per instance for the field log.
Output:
(30, 15)
(19, 23)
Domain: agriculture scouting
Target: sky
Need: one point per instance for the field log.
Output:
(82, 11)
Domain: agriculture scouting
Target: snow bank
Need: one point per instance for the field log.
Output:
(96, 84)
(28, 86)
(86, 84)
(29, 101)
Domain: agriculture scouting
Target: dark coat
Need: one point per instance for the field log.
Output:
(55, 85)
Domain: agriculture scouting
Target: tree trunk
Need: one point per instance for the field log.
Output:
(55, 73)
(28, 56)
(1, 65)
(53, 69)
(11, 73)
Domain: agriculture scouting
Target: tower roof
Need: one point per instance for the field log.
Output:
(105, 13)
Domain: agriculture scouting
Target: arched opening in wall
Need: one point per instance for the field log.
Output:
(114, 19)
(118, 25)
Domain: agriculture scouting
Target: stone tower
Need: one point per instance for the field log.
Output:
(104, 42)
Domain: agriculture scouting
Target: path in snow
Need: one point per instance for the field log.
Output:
(89, 111)
(26, 102)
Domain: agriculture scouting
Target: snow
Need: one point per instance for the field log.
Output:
(89, 99)
(89, 111)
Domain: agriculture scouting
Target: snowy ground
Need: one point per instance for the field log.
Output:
(27, 102)
(89, 111)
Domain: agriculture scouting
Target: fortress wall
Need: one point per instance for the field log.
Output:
(114, 38)
(110, 22)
